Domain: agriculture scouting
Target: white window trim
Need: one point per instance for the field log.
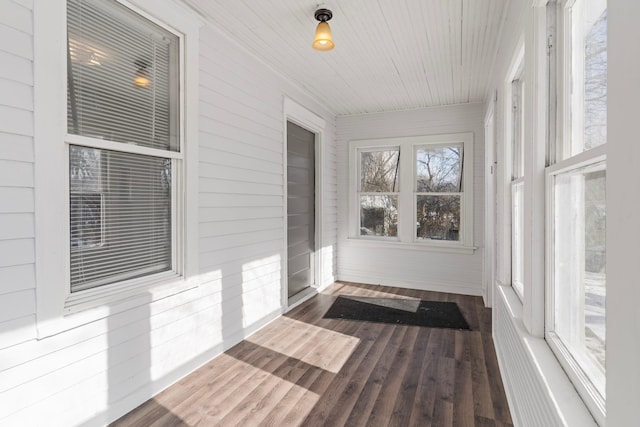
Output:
(406, 197)
(56, 309)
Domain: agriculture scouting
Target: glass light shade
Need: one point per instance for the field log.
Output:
(323, 40)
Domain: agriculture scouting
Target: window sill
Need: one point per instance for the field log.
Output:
(414, 246)
(88, 307)
(157, 286)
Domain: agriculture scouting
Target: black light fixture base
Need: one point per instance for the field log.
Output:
(323, 15)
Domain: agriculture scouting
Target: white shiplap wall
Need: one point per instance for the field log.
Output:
(97, 372)
(17, 273)
(418, 269)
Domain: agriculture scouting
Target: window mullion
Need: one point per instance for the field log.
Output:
(406, 202)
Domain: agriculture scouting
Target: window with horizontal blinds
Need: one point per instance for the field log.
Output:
(123, 87)
(122, 76)
(120, 214)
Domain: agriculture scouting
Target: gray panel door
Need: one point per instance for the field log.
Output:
(301, 204)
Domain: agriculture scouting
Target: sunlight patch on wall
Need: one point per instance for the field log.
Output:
(261, 287)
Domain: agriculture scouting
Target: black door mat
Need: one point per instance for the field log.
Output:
(433, 314)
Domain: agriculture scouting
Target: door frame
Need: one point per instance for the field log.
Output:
(305, 118)
(491, 186)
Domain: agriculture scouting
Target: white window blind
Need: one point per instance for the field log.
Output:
(120, 216)
(122, 76)
(123, 87)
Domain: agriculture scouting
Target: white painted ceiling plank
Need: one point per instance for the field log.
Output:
(389, 55)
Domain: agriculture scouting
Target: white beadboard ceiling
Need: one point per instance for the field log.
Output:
(390, 54)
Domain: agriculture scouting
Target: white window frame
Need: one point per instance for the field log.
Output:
(567, 160)
(592, 398)
(517, 136)
(507, 181)
(406, 237)
(57, 309)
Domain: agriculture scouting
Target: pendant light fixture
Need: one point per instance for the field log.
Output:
(323, 40)
(141, 78)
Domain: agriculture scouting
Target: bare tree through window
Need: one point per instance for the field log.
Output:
(438, 185)
(379, 184)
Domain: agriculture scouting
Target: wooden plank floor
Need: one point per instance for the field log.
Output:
(303, 370)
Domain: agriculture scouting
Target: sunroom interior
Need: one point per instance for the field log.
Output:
(179, 176)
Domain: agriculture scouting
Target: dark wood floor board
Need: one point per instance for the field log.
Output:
(482, 401)
(498, 396)
(424, 401)
(463, 413)
(304, 370)
(391, 383)
(405, 399)
(364, 400)
(443, 407)
(484, 422)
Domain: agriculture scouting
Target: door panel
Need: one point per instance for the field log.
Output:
(300, 208)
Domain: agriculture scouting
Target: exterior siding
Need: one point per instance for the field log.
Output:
(17, 244)
(420, 269)
(95, 373)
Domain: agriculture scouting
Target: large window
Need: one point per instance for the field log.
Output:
(116, 176)
(576, 186)
(123, 141)
(413, 190)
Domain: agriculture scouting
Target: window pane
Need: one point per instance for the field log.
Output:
(439, 169)
(595, 83)
(579, 267)
(438, 217)
(517, 237)
(86, 229)
(86, 204)
(517, 138)
(122, 76)
(379, 171)
(379, 216)
(589, 73)
(120, 216)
